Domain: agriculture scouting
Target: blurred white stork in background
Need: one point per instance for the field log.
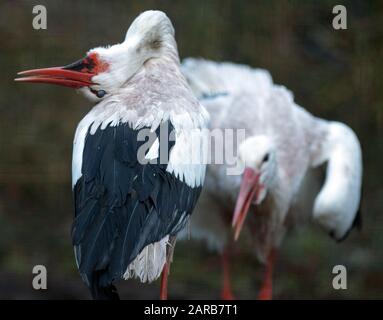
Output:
(128, 212)
(277, 188)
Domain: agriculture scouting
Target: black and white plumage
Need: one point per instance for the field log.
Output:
(122, 207)
(129, 209)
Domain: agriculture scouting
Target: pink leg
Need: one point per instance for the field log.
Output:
(267, 286)
(226, 293)
(164, 282)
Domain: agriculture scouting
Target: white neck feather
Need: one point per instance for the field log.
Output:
(337, 203)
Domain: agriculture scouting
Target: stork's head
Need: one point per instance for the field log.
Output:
(258, 157)
(106, 70)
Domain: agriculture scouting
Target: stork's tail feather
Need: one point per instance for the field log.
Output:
(99, 292)
(105, 293)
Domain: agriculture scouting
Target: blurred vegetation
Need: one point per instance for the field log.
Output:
(333, 74)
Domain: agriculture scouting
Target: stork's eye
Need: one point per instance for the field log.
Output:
(266, 157)
(98, 93)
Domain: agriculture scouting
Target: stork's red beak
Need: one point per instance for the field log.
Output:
(57, 75)
(76, 75)
(249, 189)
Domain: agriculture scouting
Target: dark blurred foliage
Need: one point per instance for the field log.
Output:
(333, 74)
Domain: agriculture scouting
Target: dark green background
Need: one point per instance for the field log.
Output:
(334, 74)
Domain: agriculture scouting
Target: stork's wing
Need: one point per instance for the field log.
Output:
(209, 78)
(121, 206)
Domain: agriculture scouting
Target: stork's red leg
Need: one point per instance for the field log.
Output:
(226, 293)
(164, 282)
(267, 286)
(166, 268)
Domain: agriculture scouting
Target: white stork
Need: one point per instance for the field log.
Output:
(283, 144)
(128, 210)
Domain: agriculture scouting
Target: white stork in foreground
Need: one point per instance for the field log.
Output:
(283, 144)
(128, 212)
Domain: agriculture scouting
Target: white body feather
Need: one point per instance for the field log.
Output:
(149, 263)
(302, 142)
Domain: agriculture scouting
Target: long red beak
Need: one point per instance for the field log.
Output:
(249, 188)
(57, 75)
(75, 75)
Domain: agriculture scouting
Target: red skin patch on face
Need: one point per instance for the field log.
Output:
(93, 64)
(99, 65)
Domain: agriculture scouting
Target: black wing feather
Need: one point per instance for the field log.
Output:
(121, 205)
